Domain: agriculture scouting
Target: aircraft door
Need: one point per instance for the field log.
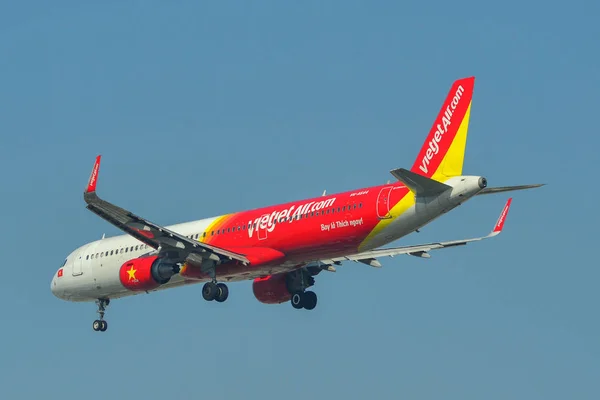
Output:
(78, 264)
(383, 203)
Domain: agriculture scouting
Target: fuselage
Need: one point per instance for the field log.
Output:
(304, 231)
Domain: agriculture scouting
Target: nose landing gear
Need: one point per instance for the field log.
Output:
(100, 324)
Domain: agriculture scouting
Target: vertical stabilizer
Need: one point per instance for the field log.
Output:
(442, 154)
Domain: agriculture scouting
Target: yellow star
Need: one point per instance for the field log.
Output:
(131, 273)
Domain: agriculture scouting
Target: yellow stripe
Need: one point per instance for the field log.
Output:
(452, 164)
(216, 224)
(400, 208)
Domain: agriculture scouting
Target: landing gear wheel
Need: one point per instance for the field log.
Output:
(210, 291)
(222, 292)
(97, 325)
(309, 300)
(104, 326)
(297, 300)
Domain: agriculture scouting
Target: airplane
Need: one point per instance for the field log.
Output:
(281, 248)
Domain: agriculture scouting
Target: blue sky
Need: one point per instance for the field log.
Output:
(204, 109)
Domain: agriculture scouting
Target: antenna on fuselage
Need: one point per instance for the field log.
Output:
(324, 192)
(103, 236)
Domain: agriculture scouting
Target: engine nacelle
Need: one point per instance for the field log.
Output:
(146, 273)
(271, 289)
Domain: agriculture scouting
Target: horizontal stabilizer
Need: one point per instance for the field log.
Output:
(492, 190)
(419, 184)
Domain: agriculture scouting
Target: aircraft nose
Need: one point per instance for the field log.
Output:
(55, 285)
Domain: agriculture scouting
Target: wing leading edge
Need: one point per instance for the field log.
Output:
(153, 235)
(421, 250)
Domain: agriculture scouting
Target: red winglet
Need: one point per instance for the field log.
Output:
(502, 219)
(91, 187)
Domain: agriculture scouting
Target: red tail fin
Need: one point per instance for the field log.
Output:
(442, 153)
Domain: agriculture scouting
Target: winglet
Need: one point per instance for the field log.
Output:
(500, 223)
(91, 187)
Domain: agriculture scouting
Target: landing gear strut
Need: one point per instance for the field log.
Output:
(100, 324)
(306, 300)
(215, 291)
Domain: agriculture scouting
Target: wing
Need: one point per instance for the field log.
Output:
(420, 250)
(151, 234)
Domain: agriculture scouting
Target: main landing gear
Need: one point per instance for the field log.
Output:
(297, 282)
(100, 324)
(215, 291)
(306, 300)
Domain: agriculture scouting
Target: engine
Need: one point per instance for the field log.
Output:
(276, 289)
(146, 273)
(271, 289)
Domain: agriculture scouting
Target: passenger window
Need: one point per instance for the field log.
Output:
(212, 233)
(196, 236)
(87, 257)
(111, 252)
(204, 234)
(126, 248)
(359, 205)
(121, 251)
(228, 230)
(344, 208)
